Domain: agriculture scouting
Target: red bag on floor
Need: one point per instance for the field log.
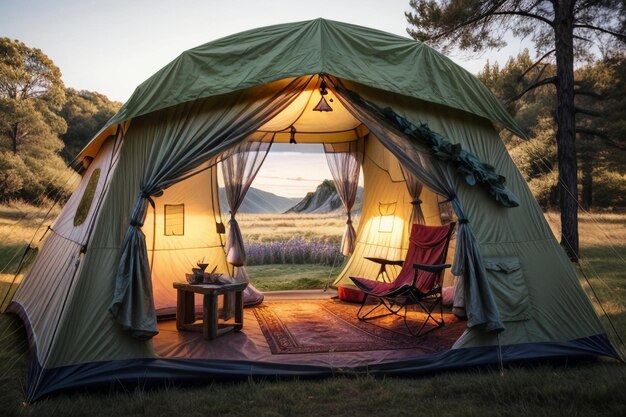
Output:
(351, 295)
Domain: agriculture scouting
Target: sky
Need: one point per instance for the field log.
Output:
(111, 46)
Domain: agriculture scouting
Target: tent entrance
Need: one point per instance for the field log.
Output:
(312, 317)
(194, 201)
(193, 205)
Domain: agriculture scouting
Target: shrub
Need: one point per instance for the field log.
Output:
(29, 179)
(609, 190)
(544, 189)
(536, 156)
(12, 171)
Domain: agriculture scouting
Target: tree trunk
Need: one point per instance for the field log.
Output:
(586, 153)
(566, 125)
(14, 134)
(586, 195)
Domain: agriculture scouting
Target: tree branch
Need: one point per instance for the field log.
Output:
(610, 32)
(587, 112)
(549, 80)
(588, 93)
(536, 63)
(524, 13)
(580, 38)
(540, 74)
(467, 23)
(600, 135)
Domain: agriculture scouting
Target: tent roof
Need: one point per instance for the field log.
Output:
(367, 56)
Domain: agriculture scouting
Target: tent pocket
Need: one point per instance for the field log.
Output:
(509, 287)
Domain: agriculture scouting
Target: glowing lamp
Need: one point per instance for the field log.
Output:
(387, 217)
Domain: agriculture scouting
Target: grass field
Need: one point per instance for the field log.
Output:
(593, 388)
(603, 261)
(19, 226)
(274, 236)
(276, 277)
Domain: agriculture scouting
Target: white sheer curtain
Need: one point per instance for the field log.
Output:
(239, 168)
(415, 187)
(240, 165)
(344, 161)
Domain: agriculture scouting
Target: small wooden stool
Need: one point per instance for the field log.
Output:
(211, 326)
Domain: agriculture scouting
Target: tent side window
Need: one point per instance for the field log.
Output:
(87, 198)
(174, 219)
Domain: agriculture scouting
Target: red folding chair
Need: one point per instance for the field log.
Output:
(419, 282)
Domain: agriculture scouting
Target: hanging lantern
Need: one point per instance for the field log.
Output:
(323, 104)
(292, 135)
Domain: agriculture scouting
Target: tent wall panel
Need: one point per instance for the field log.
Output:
(103, 338)
(560, 309)
(175, 256)
(87, 332)
(43, 300)
(46, 287)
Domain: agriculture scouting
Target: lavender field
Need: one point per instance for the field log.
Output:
(292, 251)
(292, 238)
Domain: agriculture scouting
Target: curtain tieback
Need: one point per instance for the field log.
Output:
(416, 202)
(449, 199)
(464, 220)
(138, 215)
(148, 197)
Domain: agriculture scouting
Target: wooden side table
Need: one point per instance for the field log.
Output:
(382, 272)
(211, 326)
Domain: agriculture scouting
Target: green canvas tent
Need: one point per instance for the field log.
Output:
(146, 209)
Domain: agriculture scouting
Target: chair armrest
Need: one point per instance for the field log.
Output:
(382, 261)
(431, 268)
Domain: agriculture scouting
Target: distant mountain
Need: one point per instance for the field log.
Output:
(259, 201)
(325, 200)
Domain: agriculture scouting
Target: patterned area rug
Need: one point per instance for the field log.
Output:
(332, 326)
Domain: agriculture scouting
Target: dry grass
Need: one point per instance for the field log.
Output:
(595, 229)
(19, 225)
(327, 228)
(603, 261)
(18, 221)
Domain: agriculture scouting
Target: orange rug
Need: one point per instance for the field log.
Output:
(332, 326)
